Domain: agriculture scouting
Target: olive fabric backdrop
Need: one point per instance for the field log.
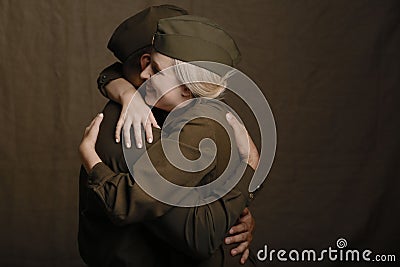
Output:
(331, 73)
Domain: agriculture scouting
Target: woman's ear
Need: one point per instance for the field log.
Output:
(186, 92)
(144, 61)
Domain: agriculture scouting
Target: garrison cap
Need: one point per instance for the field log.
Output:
(194, 38)
(137, 31)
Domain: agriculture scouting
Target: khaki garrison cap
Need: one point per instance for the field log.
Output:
(193, 38)
(137, 31)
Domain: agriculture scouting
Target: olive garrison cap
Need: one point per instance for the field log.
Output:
(193, 38)
(137, 31)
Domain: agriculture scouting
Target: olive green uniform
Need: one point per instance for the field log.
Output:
(120, 225)
(194, 235)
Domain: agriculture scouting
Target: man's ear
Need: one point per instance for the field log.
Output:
(144, 61)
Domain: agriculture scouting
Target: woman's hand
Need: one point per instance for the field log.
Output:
(87, 147)
(247, 149)
(242, 233)
(136, 113)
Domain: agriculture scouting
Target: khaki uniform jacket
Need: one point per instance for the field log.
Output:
(120, 225)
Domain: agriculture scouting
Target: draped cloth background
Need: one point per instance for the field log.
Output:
(331, 73)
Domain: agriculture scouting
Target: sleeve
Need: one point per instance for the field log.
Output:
(196, 231)
(107, 75)
(199, 231)
(123, 199)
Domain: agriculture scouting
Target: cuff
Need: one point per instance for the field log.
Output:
(109, 74)
(100, 174)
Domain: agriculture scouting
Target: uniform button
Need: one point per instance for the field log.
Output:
(251, 195)
(104, 76)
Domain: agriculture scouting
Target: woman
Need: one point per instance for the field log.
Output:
(175, 40)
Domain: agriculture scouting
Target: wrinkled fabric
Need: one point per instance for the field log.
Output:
(114, 208)
(330, 70)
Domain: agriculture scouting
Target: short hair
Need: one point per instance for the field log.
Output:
(200, 81)
(133, 61)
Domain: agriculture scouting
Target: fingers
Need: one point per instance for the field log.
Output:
(247, 219)
(231, 119)
(87, 129)
(153, 120)
(240, 249)
(98, 120)
(245, 212)
(241, 136)
(92, 122)
(120, 124)
(244, 228)
(239, 228)
(245, 256)
(125, 125)
(137, 129)
(127, 134)
(247, 216)
(234, 122)
(237, 238)
(149, 132)
(93, 129)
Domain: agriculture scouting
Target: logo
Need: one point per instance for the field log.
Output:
(331, 253)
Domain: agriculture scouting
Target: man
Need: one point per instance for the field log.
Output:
(101, 242)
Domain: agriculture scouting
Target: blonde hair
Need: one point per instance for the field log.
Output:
(201, 82)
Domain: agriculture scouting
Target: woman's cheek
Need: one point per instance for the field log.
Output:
(149, 99)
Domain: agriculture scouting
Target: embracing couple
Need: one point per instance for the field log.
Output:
(120, 224)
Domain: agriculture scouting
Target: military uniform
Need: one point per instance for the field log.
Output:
(120, 225)
(193, 234)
